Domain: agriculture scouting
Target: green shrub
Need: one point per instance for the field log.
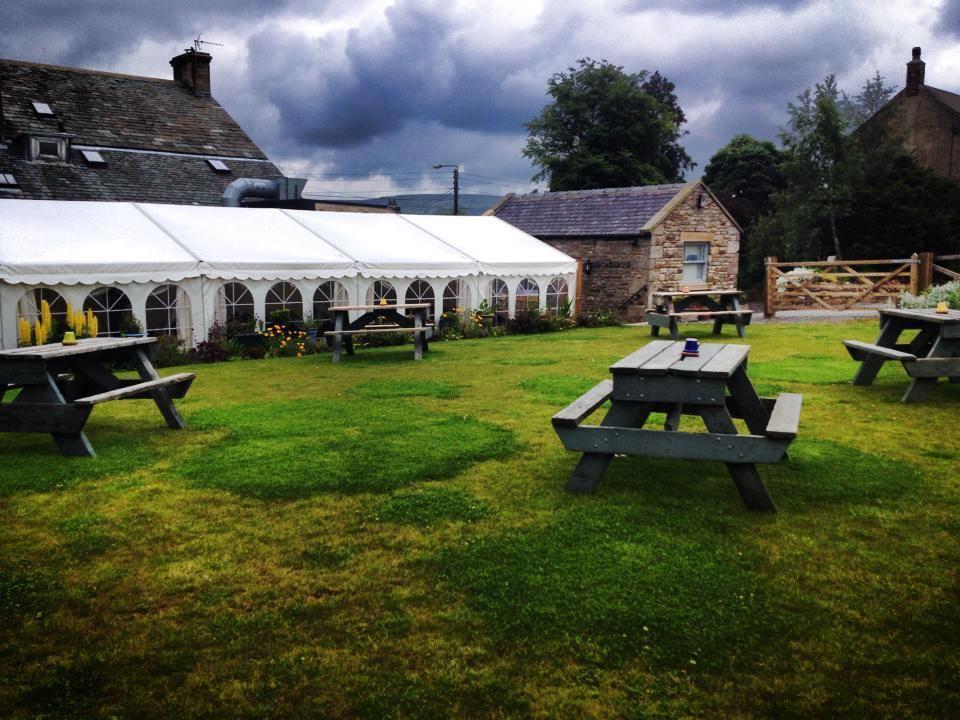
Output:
(170, 352)
(948, 293)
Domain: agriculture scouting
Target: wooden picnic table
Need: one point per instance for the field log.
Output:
(656, 378)
(933, 353)
(379, 319)
(59, 385)
(721, 306)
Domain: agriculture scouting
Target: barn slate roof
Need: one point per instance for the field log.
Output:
(588, 213)
(154, 134)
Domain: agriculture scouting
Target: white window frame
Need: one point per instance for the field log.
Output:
(695, 271)
(61, 144)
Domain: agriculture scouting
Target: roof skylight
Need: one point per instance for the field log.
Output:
(8, 181)
(219, 166)
(93, 157)
(42, 108)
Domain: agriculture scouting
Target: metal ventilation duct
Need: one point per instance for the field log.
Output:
(272, 189)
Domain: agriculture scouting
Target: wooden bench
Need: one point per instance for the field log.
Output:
(179, 383)
(370, 330)
(860, 351)
(669, 320)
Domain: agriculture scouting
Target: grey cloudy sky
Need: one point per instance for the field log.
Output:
(363, 96)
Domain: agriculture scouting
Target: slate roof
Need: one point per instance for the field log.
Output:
(951, 100)
(109, 110)
(587, 213)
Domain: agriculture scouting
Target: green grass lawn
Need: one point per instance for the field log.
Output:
(390, 538)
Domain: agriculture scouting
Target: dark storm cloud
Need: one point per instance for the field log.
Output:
(90, 32)
(950, 18)
(712, 7)
(410, 68)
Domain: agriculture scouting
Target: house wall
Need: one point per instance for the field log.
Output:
(688, 222)
(618, 270)
(928, 130)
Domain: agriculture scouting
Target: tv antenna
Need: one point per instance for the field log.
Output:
(198, 42)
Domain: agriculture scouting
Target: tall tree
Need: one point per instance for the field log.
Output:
(865, 104)
(745, 173)
(607, 128)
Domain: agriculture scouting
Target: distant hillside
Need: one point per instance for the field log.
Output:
(440, 204)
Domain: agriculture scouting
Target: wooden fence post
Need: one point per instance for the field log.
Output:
(769, 287)
(578, 298)
(926, 270)
(914, 274)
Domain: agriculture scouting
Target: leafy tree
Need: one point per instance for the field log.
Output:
(745, 173)
(865, 104)
(607, 128)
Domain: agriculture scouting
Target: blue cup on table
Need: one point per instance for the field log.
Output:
(691, 348)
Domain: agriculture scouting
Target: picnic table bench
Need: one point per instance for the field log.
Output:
(60, 384)
(379, 319)
(721, 306)
(933, 353)
(657, 378)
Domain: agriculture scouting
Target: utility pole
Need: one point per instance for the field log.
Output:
(456, 185)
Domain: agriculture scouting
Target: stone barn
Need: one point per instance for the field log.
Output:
(633, 241)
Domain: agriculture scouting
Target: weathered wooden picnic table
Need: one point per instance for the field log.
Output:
(721, 306)
(59, 385)
(656, 378)
(933, 353)
(379, 319)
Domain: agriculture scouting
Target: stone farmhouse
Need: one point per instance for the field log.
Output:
(633, 241)
(74, 134)
(928, 118)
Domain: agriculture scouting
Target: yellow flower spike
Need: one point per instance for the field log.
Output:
(69, 316)
(45, 315)
(23, 331)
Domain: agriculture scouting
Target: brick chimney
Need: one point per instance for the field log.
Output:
(915, 73)
(192, 70)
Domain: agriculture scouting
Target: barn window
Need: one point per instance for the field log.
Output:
(284, 296)
(234, 303)
(499, 301)
(381, 290)
(528, 295)
(456, 295)
(111, 307)
(168, 313)
(557, 296)
(695, 261)
(329, 294)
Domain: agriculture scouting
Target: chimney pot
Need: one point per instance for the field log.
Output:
(915, 73)
(192, 70)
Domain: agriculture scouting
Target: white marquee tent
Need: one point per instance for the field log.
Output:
(180, 269)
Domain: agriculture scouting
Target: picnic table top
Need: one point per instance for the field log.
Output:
(663, 357)
(83, 347)
(695, 293)
(923, 314)
(342, 308)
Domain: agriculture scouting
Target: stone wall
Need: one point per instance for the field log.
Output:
(688, 222)
(927, 128)
(617, 270)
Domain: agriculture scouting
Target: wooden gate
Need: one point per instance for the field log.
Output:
(837, 284)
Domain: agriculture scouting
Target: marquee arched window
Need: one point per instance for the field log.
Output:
(168, 313)
(111, 307)
(234, 303)
(327, 295)
(499, 301)
(557, 296)
(381, 290)
(29, 308)
(528, 295)
(284, 296)
(420, 291)
(456, 296)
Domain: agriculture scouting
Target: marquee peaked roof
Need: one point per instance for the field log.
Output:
(49, 242)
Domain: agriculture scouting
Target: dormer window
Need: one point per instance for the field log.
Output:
(46, 148)
(42, 109)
